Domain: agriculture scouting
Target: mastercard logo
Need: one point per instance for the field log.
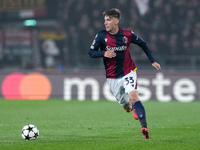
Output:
(34, 86)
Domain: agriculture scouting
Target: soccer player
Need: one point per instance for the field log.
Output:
(113, 45)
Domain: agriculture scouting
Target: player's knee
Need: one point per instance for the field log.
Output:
(128, 110)
(127, 107)
(133, 99)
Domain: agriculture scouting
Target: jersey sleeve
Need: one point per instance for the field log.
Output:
(141, 43)
(95, 51)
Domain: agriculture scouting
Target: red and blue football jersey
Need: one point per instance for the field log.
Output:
(122, 64)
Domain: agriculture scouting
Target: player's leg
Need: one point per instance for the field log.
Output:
(140, 111)
(131, 100)
(130, 86)
(128, 107)
(124, 99)
(139, 108)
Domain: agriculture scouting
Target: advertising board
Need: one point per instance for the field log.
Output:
(159, 86)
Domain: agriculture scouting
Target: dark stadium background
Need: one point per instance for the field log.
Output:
(53, 37)
(45, 71)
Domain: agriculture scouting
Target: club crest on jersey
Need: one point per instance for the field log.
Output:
(125, 39)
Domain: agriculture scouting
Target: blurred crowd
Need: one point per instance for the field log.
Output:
(170, 27)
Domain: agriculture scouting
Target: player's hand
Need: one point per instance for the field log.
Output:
(109, 54)
(156, 65)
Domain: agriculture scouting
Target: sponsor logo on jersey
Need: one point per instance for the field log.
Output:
(119, 48)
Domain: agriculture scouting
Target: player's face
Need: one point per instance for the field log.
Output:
(111, 24)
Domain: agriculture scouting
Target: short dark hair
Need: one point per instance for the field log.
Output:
(114, 12)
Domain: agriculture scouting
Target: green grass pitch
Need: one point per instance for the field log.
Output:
(100, 125)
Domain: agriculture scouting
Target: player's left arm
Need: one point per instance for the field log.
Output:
(140, 42)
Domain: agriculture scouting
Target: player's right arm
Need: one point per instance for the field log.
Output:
(94, 49)
(98, 47)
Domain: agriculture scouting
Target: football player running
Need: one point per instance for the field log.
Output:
(112, 44)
